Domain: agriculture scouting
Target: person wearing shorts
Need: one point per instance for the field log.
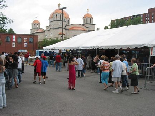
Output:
(44, 68)
(117, 69)
(37, 70)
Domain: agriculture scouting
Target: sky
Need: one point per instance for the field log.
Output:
(24, 12)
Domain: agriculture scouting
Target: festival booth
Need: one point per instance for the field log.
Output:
(134, 36)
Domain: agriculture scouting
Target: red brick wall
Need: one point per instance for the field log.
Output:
(7, 46)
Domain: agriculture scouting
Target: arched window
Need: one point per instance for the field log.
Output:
(56, 16)
(19, 40)
(60, 16)
(68, 21)
(7, 39)
(30, 40)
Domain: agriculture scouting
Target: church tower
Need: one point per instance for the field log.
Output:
(35, 26)
(88, 21)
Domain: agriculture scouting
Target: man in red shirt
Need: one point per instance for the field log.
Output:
(26, 57)
(58, 62)
(37, 69)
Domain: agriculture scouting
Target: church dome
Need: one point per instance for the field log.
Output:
(57, 11)
(36, 22)
(88, 16)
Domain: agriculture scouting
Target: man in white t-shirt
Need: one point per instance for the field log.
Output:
(80, 66)
(117, 69)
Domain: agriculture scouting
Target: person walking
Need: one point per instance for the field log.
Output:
(15, 70)
(134, 75)
(2, 85)
(124, 77)
(80, 66)
(37, 70)
(105, 72)
(58, 61)
(72, 73)
(44, 68)
(26, 57)
(117, 69)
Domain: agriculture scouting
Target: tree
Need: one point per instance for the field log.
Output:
(3, 19)
(47, 42)
(10, 31)
(106, 27)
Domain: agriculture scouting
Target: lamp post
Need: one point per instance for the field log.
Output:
(62, 18)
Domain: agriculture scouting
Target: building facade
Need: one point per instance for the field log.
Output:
(148, 17)
(11, 43)
(54, 30)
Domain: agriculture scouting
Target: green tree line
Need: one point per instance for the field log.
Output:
(123, 22)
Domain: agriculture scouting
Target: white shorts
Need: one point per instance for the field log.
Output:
(116, 79)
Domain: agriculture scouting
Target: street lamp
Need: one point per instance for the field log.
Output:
(62, 18)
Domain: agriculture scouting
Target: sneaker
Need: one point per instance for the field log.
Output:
(34, 82)
(120, 87)
(127, 88)
(40, 83)
(116, 91)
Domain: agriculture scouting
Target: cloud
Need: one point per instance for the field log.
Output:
(23, 12)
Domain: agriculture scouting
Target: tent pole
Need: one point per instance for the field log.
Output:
(96, 51)
(118, 51)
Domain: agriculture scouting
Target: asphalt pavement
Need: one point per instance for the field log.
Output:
(89, 98)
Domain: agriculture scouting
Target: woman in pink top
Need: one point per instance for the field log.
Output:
(72, 73)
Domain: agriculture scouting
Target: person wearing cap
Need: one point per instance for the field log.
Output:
(37, 69)
(44, 67)
(117, 69)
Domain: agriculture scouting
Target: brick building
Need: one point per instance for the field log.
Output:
(11, 43)
(148, 17)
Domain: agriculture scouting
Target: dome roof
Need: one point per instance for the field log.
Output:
(57, 11)
(61, 33)
(39, 31)
(88, 16)
(36, 21)
(77, 28)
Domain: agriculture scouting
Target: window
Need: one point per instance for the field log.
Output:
(60, 16)
(30, 40)
(19, 40)
(7, 39)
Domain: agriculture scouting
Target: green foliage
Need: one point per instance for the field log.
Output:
(123, 22)
(3, 19)
(47, 42)
(11, 31)
(106, 27)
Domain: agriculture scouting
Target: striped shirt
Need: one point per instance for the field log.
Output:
(105, 66)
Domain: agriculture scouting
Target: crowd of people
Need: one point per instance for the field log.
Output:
(114, 72)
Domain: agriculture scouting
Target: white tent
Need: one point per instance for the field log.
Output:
(123, 37)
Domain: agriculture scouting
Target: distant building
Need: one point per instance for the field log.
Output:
(54, 30)
(145, 17)
(11, 43)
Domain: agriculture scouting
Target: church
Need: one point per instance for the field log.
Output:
(54, 30)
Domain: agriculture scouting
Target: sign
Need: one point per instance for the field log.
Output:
(152, 51)
(14, 38)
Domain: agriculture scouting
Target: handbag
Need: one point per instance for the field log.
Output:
(132, 76)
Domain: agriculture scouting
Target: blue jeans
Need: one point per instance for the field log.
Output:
(124, 80)
(105, 77)
(20, 75)
(2, 91)
(58, 66)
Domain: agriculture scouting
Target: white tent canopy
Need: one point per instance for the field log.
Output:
(123, 37)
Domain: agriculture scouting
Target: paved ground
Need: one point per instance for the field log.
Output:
(89, 98)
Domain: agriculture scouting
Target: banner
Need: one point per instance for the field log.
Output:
(152, 51)
(14, 38)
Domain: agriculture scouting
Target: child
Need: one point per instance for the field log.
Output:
(44, 68)
(37, 69)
